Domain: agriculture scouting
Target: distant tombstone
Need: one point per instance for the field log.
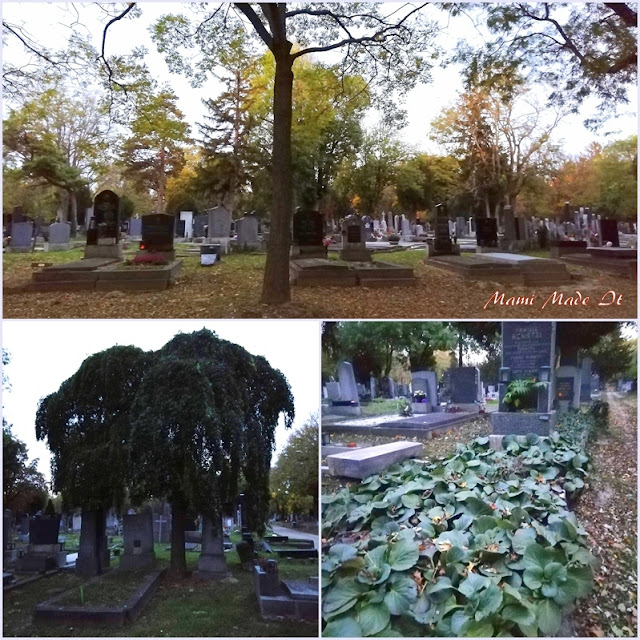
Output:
(376, 224)
(180, 228)
(135, 228)
(333, 390)
(461, 227)
(426, 382)
(21, 235)
(367, 222)
(187, 218)
(463, 384)
(347, 379)
(212, 562)
(354, 248)
(157, 232)
(442, 245)
(88, 217)
(76, 522)
(609, 232)
(392, 387)
(308, 234)
(406, 228)
(59, 236)
(199, 225)
(487, 232)
(585, 380)
(383, 226)
(247, 230)
(373, 387)
(44, 530)
(219, 227)
(137, 536)
(106, 207)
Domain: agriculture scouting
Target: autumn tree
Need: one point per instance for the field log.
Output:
(155, 149)
(294, 479)
(381, 45)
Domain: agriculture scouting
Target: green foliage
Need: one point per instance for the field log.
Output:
(612, 355)
(523, 394)
(23, 486)
(294, 479)
(479, 543)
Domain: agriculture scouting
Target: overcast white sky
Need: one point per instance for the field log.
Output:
(49, 23)
(44, 353)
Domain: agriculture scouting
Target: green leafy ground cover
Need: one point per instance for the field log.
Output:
(478, 543)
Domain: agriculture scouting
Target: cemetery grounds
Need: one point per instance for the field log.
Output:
(606, 509)
(185, 607)
(232, 289)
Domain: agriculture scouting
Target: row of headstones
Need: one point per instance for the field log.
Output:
(22, 235)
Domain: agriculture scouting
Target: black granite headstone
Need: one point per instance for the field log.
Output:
(609, 232)
(157, 232)
(106, 208)
(180, 228)
(463, 384)
(526, 346)
(308, 228)
(354, 234)
(442, 242)
(44, 530)
(487, 232)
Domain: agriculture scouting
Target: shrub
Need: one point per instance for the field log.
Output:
(522, 395)
(479, 543)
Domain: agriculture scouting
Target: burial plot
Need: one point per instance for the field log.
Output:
(424, 382)
(103, 235)
(59, 236)
(528, 353)
(212, 563)
(44, 552)
(362, 463)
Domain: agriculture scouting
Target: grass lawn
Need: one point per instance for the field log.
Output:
(188, 607)
(232, 289)
(379, 407)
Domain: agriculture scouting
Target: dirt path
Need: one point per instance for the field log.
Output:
(608, 511)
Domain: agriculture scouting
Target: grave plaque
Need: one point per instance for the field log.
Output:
(564, 389)
(354, 248)
(463, 384)
(106, 208)
(487, 232)
(353, 234)
(157, 232)
(609, 232)
(527, 346)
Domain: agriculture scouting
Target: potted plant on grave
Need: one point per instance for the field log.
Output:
(419, 397)
(522, 394)
(404, 407)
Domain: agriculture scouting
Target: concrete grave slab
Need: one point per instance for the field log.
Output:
(362, 463)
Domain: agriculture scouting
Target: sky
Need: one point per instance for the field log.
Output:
(44, 353)
(49, 24)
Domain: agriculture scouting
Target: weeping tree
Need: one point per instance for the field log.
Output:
(205, 417)
(86, 426)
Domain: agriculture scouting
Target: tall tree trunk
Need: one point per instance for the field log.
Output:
(178, 567)
(275, 288)
(460, 349)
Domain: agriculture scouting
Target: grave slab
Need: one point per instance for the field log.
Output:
(362, 463)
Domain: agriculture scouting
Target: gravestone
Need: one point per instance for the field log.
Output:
(461, 227)
(199, 225)
(103, 234)
(585, 380)
(367, 223)
(333, 390)
(59, 236)
(21, 235)
(179, 228)
(135, 228)
(157, 233)
(187, 218)
(44, 551)
(354, 248)
(366, 461)
(308, 234)
(212, 563)
(137, 537)
(609, 232)
(247, 230)
(509, 225)
(527, 348)
(405, 228)
(425, 381)
(442, 245)
(219, 227)
(487, 232)
(568, 386)
(463, 384)
(76, 522)
(93, 554)
(347, 379)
